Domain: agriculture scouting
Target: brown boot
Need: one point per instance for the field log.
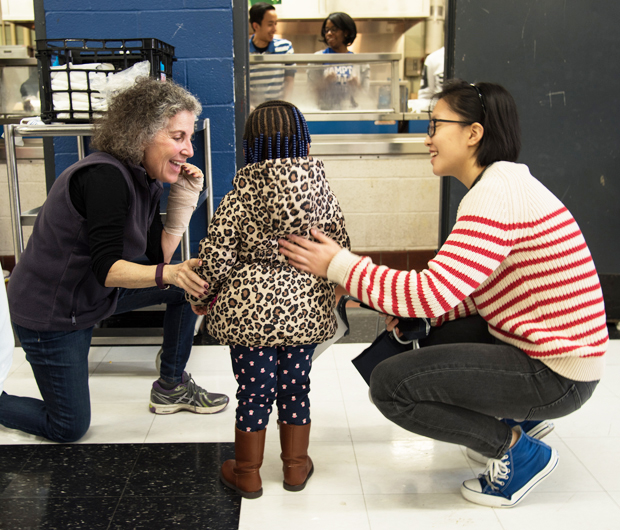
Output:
(242, 473)
(298, 467)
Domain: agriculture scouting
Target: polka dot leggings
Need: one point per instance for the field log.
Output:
(265, 375)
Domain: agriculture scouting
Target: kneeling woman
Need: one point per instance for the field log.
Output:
(100, 215)
(519, 322)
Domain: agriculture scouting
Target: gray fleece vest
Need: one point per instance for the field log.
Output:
(53, 287)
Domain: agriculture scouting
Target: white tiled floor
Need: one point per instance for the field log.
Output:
(370, 474)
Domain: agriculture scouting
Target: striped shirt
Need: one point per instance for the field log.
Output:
(517, 258)
(267, 81)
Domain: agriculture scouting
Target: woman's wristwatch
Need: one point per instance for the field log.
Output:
(159, 280)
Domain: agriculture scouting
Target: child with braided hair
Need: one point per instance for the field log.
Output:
(270, 314)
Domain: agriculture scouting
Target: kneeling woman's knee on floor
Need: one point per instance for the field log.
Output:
(68, 432)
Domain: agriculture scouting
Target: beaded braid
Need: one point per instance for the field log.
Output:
(304, 135)
(279, 122)
(256, 152)
(260, 147)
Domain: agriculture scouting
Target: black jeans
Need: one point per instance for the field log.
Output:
(462, 379)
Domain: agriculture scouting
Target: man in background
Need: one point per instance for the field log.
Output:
(432, 81)
(268, 82)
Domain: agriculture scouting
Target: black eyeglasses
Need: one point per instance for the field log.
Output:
(432, 125)
(484, 109)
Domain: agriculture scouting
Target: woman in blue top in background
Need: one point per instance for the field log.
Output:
(337, 85)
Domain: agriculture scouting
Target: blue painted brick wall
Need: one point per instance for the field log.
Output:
(201, 32)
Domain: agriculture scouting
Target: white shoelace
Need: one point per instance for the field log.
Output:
(497, 472)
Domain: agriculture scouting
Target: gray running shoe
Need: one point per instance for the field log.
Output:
(185, 396)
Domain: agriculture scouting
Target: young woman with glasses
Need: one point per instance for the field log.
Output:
(519, 331)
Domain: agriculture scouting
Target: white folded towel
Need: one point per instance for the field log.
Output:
(69, 78)
(78, 100)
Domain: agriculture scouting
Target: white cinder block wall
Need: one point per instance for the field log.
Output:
(389, 203)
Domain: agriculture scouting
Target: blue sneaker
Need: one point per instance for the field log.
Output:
(534, 429)
(508, 480)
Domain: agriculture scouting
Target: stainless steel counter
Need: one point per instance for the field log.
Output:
(335, 115)
(368, 144)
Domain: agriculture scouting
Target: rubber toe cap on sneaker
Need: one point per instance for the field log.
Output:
(472, 485)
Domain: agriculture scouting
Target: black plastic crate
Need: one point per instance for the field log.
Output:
(73, 60)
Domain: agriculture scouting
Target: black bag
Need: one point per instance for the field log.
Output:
(385, 345)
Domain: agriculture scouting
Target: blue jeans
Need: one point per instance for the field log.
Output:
(59, 361)
(462, 379)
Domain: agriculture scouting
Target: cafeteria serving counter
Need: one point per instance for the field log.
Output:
(368, 144)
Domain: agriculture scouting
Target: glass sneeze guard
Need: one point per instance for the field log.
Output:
(331, 86)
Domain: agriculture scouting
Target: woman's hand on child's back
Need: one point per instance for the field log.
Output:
(309, 256)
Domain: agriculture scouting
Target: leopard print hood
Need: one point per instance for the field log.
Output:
(284, 196)
(258, 298)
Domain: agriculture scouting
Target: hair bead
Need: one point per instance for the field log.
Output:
(260, 147)
(246, 153)
(256, 155)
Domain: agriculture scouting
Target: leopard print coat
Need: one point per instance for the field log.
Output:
(258, 298)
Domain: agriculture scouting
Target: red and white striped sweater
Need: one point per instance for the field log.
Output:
(516, 257)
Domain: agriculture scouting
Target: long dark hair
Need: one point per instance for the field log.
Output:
(494, 108)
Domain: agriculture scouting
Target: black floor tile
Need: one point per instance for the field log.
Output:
(11, 463)
(186, 470)
(116, 486)
(187, 513)
(54, 513)
(79, 470)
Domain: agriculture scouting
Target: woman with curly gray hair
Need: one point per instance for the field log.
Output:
(79, 267)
